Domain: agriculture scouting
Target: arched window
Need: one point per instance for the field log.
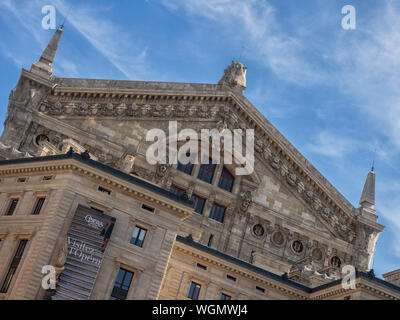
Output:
(206, 172)
(226, 180)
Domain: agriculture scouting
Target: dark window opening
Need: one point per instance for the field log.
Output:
(226, 180)
(38, 206)
(122, 284)
(260, 289)
(101, 189)
(21, 180)
(138, 236)
(198, 204)
(229, 277)
(206, 172)
(225, 297)
(185, 168)
(210, 239)
(147, 208)
(217, 212)
(194, 291)
(200, 266)
(14, 266)
(11, 207)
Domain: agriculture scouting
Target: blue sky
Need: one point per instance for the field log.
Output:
(332, 92)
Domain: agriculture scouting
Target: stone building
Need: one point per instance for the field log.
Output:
(77, 193)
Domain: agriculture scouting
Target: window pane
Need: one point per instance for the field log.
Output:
(134, 235)
(225, 297)
(226, 180)
(120, 276)
(194, 291)
(217, 212)
(206, 172)
(198, 204)
(138, 236)
(186, 168)
(38, 206)
(14, 265)
(12, 206)
(122, 284)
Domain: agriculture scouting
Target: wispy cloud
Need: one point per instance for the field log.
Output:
(254, 24)
(369, 70)
(114, 43)
(109, 39)
(332, 145)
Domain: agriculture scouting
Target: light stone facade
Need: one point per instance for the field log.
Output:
(306, 230)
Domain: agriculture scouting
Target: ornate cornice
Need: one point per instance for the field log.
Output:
(271, 284)
(71, 165)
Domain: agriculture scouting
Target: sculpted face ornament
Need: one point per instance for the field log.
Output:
(335, 262)
(317, 254)
(297, 246)
(258, 230)
(278, 238)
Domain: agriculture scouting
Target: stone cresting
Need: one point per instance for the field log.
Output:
(340, 222)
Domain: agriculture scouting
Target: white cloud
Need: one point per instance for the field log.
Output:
(253, 24)
(113, 42)
(369, 70)
(332, 145)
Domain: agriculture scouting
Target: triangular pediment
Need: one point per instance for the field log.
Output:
(108, 110)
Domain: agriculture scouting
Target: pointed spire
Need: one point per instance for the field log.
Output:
(367, 199)
(43, 67)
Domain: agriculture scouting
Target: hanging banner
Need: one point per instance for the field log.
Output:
(87, 239)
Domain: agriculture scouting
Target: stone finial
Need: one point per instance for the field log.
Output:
(235, 76)
(43, 67)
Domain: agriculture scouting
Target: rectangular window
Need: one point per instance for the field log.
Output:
(229, 277)
(217, 212)
(14, 266)
(206, 172)
(226, 180)
(202, 267)
(194, 291)
(147, 208)
(101, 189)
(122, 284)
(138, 236)
(21, 180)
(198, 204)
(11, 207)
(225, 296)
(186, 168)
(260, 289)
(38, 206)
